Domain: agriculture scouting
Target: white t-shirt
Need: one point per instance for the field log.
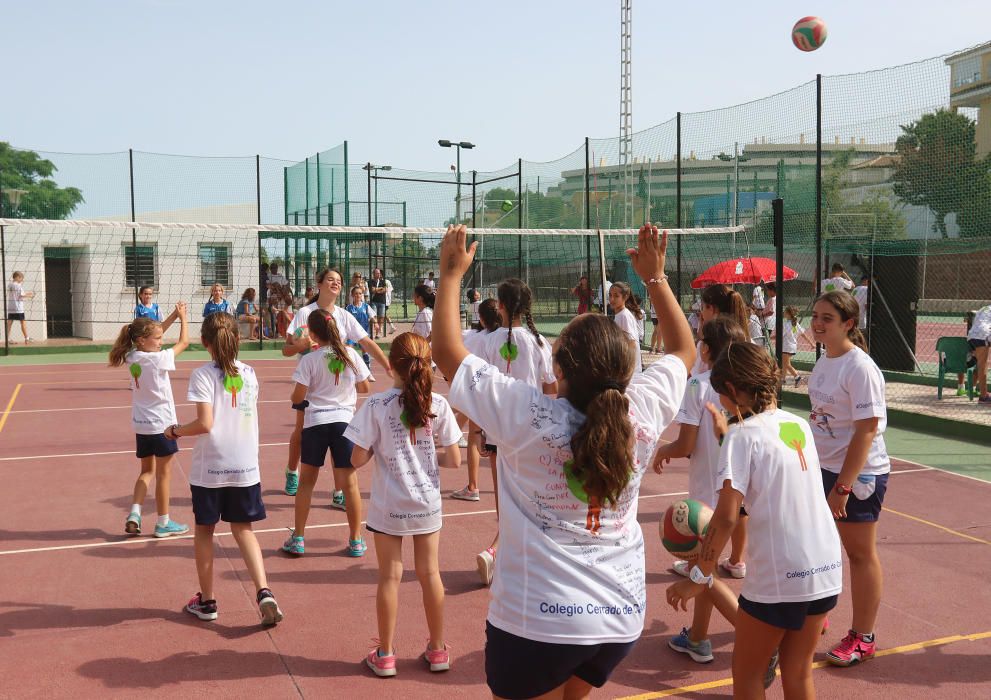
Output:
(842, 390)
(757, 298)
(702, 485)
(474, 311)
(568, 571)
(599, 296)
(771, 319)
(15, 298)
(405, 496)
(278, 280)
(699, 367)
(475, 340)
(388, 293)
(347, 325)
(228, 454)
(429, 282)
(152, 405)
(860, 294)
(628, 324)
(793, 553)
(756, 330)
(836, 284)
(980, 329)
(789, 336)
(533, 363)
(332, 396)
(423, 324)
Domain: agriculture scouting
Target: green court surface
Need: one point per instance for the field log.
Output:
(947, 453)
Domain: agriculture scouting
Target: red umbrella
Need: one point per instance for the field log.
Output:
(741, 271)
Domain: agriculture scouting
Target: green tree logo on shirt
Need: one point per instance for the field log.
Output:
(336, 366)
(232, 385)
(135, 369)
(509, 352)
(411, 428)
(792, 435)
(577, 488)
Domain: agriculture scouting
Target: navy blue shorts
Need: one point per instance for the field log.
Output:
(155, 446)
(789, 616)
(977, 343)
(857, 510)
(320, 438)
(517, 668)
(232, 504)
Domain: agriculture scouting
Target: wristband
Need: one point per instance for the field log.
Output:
(697, 577)
(843, 490)
(657, 280)
(301, 406)
(175, 431)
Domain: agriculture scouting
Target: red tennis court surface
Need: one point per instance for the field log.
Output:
(88, 612)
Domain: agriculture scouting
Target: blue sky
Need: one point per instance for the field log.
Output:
(528, 79)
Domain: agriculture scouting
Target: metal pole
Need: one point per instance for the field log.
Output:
(677, 199)
(376, 200)
(368, 168)
(134, 231)
(317, 205)
(347, 201)
(258, 206)
(818, 282)
(779, 269)
(588, 213)
(405, 269)
(519, 216)
(306, 195)
(3, 271)
(474, 226)
(457, 175)
(285, 194)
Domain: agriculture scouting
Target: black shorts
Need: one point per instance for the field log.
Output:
(973, 342)
(654, 321)
(154, 446)
(859, 511)
(522, 668)
(232, 504)
(15, 316)
(789, 616)
(318, 439)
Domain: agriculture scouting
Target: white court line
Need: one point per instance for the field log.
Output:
(149, 540)
(941, 469)
(913, 471)
(113, 452)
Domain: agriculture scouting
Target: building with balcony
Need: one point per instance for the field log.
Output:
(970, 86)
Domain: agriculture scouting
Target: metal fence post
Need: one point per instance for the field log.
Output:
(261, 280)
(347, 201)
(519, 217)
(818, 282)
(3, 271)
(677, 206)
(317, 205)
(778, 206)
(134, 231)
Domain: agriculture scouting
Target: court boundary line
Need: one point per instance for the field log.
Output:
(944, 528)
(904, 648)
(268, 530)
(10, 405)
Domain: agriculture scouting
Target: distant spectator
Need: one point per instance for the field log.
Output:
(145, 307)
(217, 303)
(15, 305)
(247, 315)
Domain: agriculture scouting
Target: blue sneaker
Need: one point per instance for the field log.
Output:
(700, 652)
(132, 526)
(357, 548)
(337, 500)
(171, 528)
(294, 545)
(292, 482)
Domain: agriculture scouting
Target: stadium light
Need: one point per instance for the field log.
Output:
(369, 168)
(458, 145)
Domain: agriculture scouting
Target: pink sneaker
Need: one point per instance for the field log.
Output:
(738, 570)
(851, 650)
(437, 659)
(383, 666)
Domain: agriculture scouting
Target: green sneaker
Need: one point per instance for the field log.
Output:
(961, 391)
(292, 482)
(171, 528)
(357, 548)
(294, 545)
(337, 500)
(132, 526)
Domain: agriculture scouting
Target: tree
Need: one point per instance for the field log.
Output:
(938, 168)
(42, 198)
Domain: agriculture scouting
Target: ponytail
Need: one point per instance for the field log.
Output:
(409, 356)
(427, 294)
(488, 314)
(517, 298)
(727, 301)
(597, 360)
(129, 333)
(323, 327)
(222, 339)
(848, 308)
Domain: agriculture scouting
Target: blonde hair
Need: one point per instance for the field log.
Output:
(127, 337)
(220, 335)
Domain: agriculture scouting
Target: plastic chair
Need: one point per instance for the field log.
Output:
(952, 354)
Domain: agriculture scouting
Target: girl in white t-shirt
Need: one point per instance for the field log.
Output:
(404, 429)
(768, 463)
(849, 416)
(327, 384)
(697, 441)
(224, 479)
(15, 304)
(979, 339)
(719, 299)
(839, 280)
(524, 355)
(139, 346)
(791, 332)
(571, 572)
(423, 298)
(626, 314)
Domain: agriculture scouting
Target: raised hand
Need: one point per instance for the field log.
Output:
(649, 256)
(455, 259)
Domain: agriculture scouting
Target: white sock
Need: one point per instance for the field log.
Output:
(292, 471)
(163, 520)
(136, 509)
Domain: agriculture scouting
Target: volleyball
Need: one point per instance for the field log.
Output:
(683, 527)
(507, 205)
(809, 33)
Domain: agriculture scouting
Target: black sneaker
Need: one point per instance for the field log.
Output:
(203, 609)
(271, 614)
(772, 671)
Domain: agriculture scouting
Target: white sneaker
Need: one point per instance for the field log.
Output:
(681, 567)
(372, 378)
(485, 561)
(463, 442)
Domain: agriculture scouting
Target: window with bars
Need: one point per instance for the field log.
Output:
(215, 264)
(139, 265)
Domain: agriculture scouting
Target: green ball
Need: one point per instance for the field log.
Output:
(507, 205)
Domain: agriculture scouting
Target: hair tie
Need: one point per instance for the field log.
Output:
(610, 384)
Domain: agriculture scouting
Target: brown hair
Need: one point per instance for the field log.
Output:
(220, 335)
(488, 314)
(138, 328)
(517, 298)
(323, 327)
(428, 295)
(793, 310)
(726, 301)
(321, 276)
(718, 333)
(629, 301)
(750, 370)
(409, 356)
(597, 361)
(847, 307)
